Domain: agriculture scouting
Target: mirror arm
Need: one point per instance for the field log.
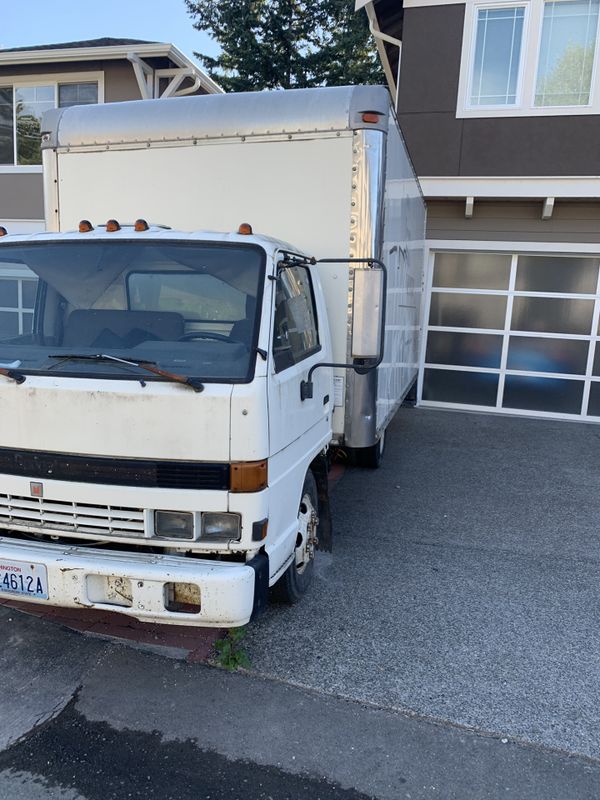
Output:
(306, 387)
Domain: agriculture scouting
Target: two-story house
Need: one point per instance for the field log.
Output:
(499, 102)
(35, 79)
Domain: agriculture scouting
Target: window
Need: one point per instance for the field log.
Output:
(567, 50)
(295, 336)
(497, 56)
(17, 301)
(529, 58)
(22, 104)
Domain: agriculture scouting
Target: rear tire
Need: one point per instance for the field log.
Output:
(294, 582)
(371, 457)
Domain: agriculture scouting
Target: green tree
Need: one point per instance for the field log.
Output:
(286, 44)
(568, 82)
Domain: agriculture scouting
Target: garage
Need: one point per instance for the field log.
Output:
(512, 333)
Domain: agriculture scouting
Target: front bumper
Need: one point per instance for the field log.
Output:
(76, 577)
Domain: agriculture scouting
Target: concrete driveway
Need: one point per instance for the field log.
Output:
(464, 582)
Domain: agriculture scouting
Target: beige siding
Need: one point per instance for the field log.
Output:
(514, 221)
(21, 196)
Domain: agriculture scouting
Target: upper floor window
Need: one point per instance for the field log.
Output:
(497, 56)
(528, 58)
(567, 50)
(22, 103)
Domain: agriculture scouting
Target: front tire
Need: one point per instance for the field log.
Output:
(294, 582)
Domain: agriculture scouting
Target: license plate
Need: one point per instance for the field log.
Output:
(22, 578)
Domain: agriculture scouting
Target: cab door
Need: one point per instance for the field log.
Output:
(300, 339)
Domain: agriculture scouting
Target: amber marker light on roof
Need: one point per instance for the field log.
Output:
(112, 225)
(245, 229)
(3, 231)
(141, 225)
(371, 117)
(248, 476)
(85, 226)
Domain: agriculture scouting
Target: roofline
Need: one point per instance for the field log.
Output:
(151, 50)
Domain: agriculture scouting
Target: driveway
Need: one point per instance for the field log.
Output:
(463, 584)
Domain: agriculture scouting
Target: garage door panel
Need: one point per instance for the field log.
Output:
(552, 315)
(464, 349)
(454, 386)
(459, 310)
(531, 354)
(543, 394)
(472, 271)
(556, 274)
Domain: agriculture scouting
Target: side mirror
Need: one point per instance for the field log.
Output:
(367, 313)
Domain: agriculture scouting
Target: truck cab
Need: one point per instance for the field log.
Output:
(156, 455)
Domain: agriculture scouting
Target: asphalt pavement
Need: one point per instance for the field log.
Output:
(464, 583)
(132, 724)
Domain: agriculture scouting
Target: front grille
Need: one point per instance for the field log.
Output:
(56, 515)
(115, 471)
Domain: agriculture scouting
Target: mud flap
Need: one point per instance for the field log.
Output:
(260, 565)
(320, 469)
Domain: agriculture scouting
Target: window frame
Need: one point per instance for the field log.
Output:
(45, 79)
(528, 67)
(308, 353)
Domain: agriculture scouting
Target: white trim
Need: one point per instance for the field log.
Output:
(24, 225)
(530, 50)
(152, 50)
(421, 3)
(8, 169)
(556, 248)
(513, 188)
(508, 412)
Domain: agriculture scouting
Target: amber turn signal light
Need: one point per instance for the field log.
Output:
(85, 226)
(371, 117)
(248, 476)
(245, 229)
(3, 231)
(141, 225)
(112, 225)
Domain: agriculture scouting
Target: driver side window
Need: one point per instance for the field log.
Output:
(296, 334)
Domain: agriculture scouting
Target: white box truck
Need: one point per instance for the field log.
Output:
(167, 394)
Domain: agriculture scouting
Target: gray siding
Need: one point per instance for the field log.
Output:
(514, 221)
(21, 196)
(442, 145)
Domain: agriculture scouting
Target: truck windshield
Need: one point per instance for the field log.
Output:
(188, 307)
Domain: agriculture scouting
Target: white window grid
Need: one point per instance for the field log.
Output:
(530, 53)
(20, 309)
(507, 332)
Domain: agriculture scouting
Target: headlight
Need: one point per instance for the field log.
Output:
(220, 527)
(174, 524)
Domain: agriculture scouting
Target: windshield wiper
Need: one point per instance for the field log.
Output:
(149, 366)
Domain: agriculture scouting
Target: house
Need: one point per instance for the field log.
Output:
(499, 103)
(35, 79)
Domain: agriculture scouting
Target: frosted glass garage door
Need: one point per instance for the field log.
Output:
(513, 333)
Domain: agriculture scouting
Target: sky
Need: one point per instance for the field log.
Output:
(32, 22)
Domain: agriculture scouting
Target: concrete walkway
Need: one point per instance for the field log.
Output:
(464, 583)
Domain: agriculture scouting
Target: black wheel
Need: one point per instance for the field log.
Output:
(298, 576)
(371, 457)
